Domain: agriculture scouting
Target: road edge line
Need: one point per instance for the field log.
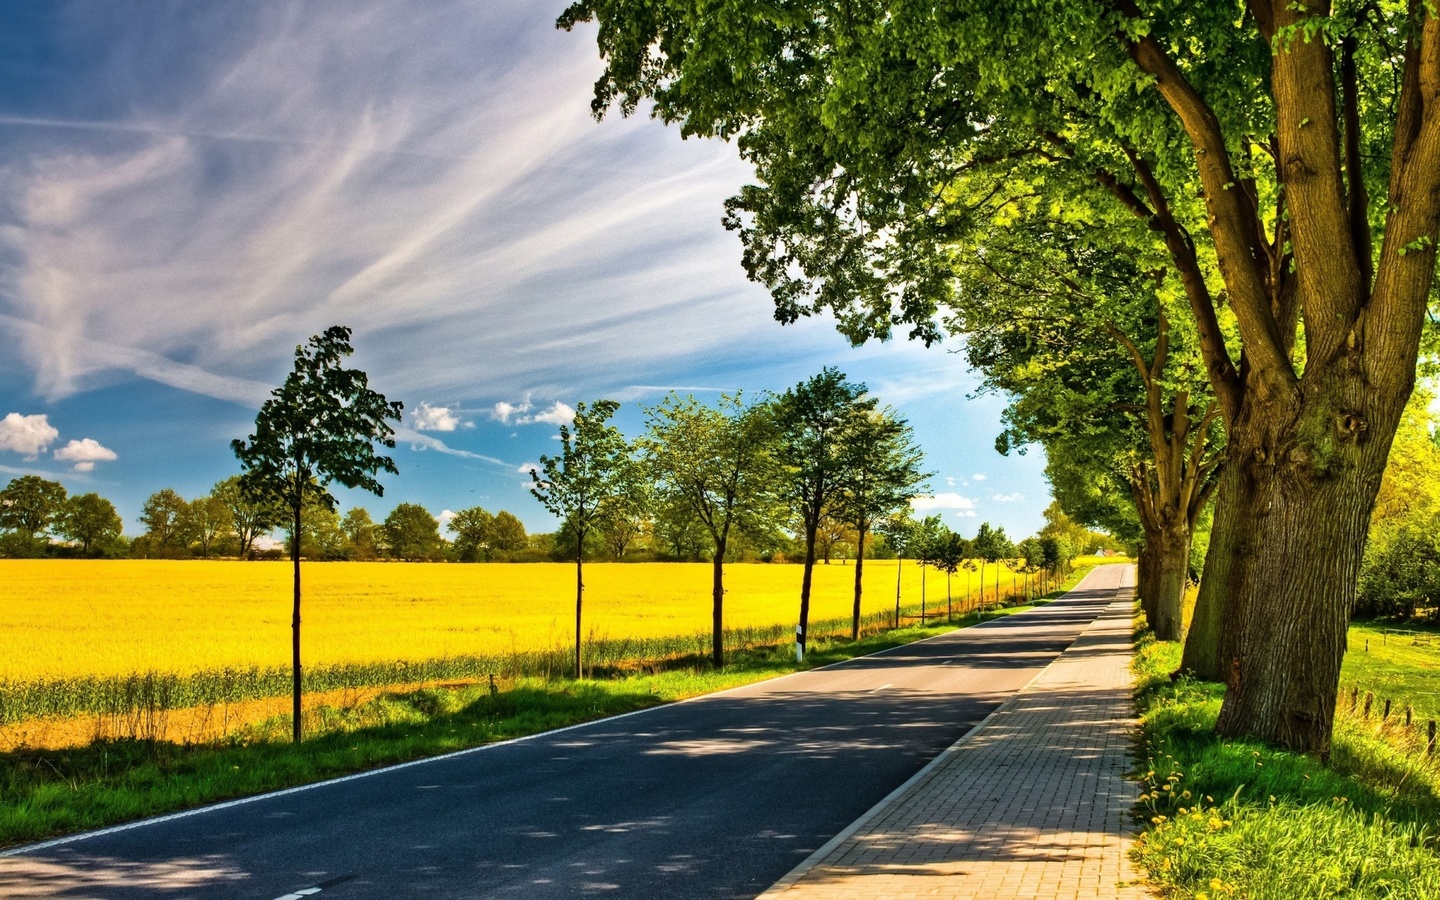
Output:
(23, 849)
(810, 862)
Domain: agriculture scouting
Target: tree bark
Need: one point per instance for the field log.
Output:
(1171, 560)
(899, 569)
(579, 597)
(717, 641)
(1307, 467)
(859, 585)
(1204, 649)
(295, 629)
(804, 635)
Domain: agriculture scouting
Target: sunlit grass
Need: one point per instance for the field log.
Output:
(1238, 818)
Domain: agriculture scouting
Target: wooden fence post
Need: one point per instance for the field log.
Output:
(1369, 700)
(1430, 744)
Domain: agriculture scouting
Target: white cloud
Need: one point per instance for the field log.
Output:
(85, 454)
(977, 477)
(445, 518)
(528, 467)
(946, 501)
(29, 436)
(965, 514)
(1008, 498)
(557, 413)
(418, 441)
(434, 418)
(949, 481)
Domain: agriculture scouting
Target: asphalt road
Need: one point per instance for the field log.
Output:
(715, 797)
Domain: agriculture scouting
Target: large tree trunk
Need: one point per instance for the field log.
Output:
(1307, 468)
(295, 629)
(859, 585)
(717, 606)
(1146, 581)
(1171, 563)
(1204, 650)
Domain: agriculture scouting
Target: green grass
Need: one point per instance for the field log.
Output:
(1238, 818)
(1396, 663)
(53, 792)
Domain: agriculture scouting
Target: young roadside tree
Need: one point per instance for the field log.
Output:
(249, 518)
(815, 419)
(716, 469)
(412, 533)
(881, 473)
(950, 553)
(591, 469)
(474, 531)
(899, 530)
(990, 545)
(925, 546)
(1289, 153)
(320, 426)
(90, 521)
(30, 506)
(164, 516)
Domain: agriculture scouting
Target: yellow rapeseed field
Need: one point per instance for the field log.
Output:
(69, 618)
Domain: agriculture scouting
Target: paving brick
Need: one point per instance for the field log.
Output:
(1033, 804)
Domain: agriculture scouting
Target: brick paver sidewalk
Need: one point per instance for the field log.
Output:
(1031, 804)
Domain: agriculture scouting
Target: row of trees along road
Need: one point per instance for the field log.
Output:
(822, 449)
(1272, 173)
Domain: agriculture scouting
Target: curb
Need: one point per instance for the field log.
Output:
(814, 859)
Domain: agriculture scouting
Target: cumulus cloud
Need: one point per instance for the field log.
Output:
(1008, 498)
(85, 454)
(445, 518)
(434, 418)
(977, 477)
(945, 501)
(523, 413)
(29, 436)
(527, 468)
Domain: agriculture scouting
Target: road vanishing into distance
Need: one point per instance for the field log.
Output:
(714, 797)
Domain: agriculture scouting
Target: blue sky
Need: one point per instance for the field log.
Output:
(189, 190)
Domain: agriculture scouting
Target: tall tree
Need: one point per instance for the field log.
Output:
(576, 485)
(474, 531)
(320, 426)
(31, 505)
(881, 468)
(164, 518)
(91, 521)
(815, 419)
(250, 517)
(206, 520)
(412, 533)
(508, 533)
(950, 553)
(716, 465)
(1289, 154)
(359, 531)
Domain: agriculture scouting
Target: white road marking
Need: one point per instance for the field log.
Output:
(300, 894)
(881, 688)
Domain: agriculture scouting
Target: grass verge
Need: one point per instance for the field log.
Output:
(54, 792)
(1238, 818)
